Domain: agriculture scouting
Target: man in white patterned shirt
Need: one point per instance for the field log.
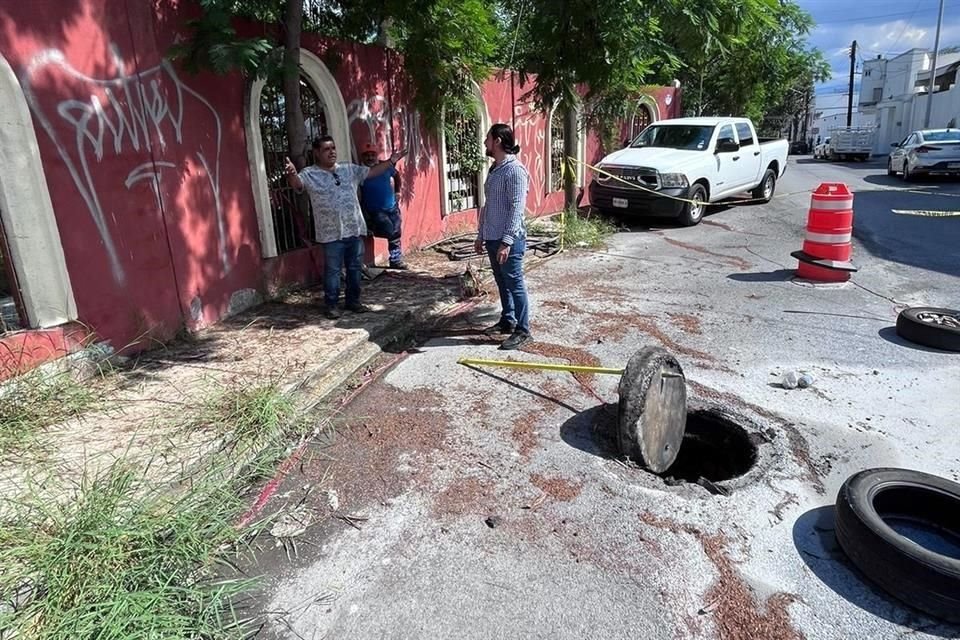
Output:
(338, 220)
(503, 236)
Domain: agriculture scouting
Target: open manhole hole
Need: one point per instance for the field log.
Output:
(714, 448)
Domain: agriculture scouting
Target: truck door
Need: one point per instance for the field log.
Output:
(748, 166)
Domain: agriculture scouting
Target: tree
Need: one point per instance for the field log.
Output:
(755, 61)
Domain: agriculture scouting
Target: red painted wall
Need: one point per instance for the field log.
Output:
(147, 164)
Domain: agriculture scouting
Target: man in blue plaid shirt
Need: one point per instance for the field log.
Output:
(503, 236)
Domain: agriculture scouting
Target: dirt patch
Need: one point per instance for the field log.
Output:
(687, 322)
(734, 261)
(606, 325)
(798, 445)
(557, 488)
(736, 611)
(464, 496)
(383, 447)
(524, 434)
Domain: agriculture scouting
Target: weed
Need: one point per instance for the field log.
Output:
(123, 559)
(37, 400)
(581, 230)
(248, 416)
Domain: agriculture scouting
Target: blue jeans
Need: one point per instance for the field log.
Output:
(386, 224)
(513, 290)
(336, 255)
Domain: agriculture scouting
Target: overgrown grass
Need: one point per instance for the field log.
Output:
(123, 555)
(122, 560)
(38, 400)
(579, 230)
(248, 416)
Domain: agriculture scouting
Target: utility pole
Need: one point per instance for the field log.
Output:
(933, 69)
(853, 67)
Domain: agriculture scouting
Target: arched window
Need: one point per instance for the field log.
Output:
(641, 120)
(292, 215)
(556, 151)
(462, 158)
(323, 111)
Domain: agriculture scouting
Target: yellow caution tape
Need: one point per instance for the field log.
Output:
(927, 214)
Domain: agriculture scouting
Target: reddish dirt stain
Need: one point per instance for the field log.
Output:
(687, 322)
(464, 496)
(557, 488)
(734, 261)
(733, 606)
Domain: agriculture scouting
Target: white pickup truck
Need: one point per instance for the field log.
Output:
(676, 167)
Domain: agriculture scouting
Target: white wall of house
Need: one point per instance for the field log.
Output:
(891, 100)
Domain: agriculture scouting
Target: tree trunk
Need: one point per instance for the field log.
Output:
(571, 146)
(296, 130)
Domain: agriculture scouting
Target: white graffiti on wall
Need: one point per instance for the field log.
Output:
(121, 113)
(530, 133)
(375, 113)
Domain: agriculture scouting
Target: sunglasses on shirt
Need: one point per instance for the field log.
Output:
(336, 178)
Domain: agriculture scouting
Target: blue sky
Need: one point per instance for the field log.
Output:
(880, 27)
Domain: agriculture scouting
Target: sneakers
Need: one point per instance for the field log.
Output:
(501, 328)
(332, 313)
(516, 340)
(357, 307)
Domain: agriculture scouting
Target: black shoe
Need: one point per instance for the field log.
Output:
(516, 340)
(332, 313)
(357, 307)
(399, 264)
(501, 328)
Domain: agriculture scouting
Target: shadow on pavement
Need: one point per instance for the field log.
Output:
(924, 242)
(883, 179)
(890, 335)
(593, 431)
(815, 542)
(780, 275)
(520, 387)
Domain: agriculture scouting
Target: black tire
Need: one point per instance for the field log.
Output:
(761, 191)
(692, 214)
(890, 171)
(652, 412)
(931, 327)
(907, 176)
(918, 576)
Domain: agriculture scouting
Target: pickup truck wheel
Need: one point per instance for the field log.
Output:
(693, 210)
(764, 190)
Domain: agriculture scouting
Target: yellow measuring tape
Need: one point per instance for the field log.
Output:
(541, 366)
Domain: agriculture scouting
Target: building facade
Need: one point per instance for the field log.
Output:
(894, 95)
(138, 200)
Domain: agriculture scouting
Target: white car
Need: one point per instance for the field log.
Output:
(926, 152)
(676, 167)
(821, 150)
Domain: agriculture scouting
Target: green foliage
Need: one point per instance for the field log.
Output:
(753, 59)
(122, 559)
(38, 400)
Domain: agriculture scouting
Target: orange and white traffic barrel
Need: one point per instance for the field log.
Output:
(828, 243)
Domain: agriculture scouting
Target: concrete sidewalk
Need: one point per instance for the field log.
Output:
(287, 343)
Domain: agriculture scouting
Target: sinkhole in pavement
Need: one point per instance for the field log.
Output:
(714, 447)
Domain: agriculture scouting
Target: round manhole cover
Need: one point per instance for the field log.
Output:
(653, 409)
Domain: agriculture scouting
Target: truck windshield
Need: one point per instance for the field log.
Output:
(675, 136)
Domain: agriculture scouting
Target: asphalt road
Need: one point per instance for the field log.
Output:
(491, 504)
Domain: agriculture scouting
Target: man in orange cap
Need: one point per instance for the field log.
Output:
(379, 196)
